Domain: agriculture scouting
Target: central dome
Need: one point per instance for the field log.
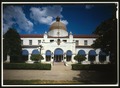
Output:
(57, 25)
(58, 29)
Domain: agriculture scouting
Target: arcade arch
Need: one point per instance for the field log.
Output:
(68, 55)
(48, 55)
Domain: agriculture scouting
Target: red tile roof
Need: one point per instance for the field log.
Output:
(58, 37)
(83, 47)
(85, 36)
(41, 36)
(31, 36)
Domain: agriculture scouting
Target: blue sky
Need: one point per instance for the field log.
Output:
(36, 19)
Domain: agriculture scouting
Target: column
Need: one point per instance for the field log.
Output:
(8, 59)
(72, 58)
(97, 58)
(29, 57)
(86, 57)
(65, 58)
(107, 58)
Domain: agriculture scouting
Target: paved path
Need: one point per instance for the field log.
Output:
(58, 72)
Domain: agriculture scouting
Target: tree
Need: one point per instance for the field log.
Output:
(79, 58)
(12, 45)
(107, 40)
(36, 57)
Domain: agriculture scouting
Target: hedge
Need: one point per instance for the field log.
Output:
(37, 66)
(93, 67)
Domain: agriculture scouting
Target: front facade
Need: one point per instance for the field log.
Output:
(57, 45)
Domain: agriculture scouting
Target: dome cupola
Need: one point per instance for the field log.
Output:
(58, 29)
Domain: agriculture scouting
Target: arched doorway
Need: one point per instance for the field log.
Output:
(58, 55)
(102, 56)
(68, 55)
(25, 55)
(92, 55)
(48, 55)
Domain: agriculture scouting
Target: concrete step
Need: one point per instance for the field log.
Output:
(58, 63)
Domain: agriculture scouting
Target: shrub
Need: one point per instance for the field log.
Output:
(104, 67)
(79, 58)
(36, 57)
(38, 66)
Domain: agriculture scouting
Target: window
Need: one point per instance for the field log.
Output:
(21, 42)
(77, 42)
(51, 40)
(85, 42)
(30, 42)
(39, 41)
(65, 40)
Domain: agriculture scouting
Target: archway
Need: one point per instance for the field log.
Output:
(58, 55)
(102, 56)
(68, 55)
(48, 55)
(35, 51)
(81, 52)
(25, 55)
(92, 55)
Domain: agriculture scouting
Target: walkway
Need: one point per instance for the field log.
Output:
(61, 72)
(58, 72)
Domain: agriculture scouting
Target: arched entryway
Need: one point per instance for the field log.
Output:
(68, 55)
(102, 56)
(92, 54)
(58, 55)
(25, 55)
(48, 55)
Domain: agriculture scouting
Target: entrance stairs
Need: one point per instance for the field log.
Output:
(59, 63)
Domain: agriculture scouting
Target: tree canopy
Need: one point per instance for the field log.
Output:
(107, 40)
(12, 44)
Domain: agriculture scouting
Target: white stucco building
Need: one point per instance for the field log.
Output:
(57, 44)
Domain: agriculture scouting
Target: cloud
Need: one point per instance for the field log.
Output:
(13, 15)
(89, 6)
(46, 15)
(65, 22)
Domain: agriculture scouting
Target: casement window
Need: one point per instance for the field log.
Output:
(30, 42)
(85, 42)
(39, 41)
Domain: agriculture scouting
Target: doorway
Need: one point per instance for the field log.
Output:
(58, 55)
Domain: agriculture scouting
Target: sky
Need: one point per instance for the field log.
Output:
(37, 18)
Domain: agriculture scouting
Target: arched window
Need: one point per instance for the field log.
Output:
(68, 55)
(48, 55)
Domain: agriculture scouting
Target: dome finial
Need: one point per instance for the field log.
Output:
(58, 18)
